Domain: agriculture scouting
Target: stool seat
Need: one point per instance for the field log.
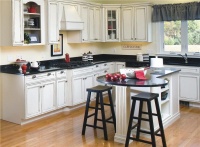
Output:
(99, 88)
(99, 101)
(145, 97)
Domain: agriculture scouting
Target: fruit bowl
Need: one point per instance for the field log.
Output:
(20, 63)
(130, 72)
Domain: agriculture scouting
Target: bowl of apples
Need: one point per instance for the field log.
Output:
(115, 77)
(20, 63)
(130, 72)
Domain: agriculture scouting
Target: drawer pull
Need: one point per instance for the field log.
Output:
(97, 65)
(34, 76)
(62, 72)
(48, 74)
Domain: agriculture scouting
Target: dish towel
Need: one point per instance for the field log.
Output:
(140, 75)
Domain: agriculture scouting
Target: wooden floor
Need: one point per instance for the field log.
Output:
(64, 130)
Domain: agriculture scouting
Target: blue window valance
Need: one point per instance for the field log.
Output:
(173, 12)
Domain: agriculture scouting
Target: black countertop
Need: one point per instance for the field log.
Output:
(153, 79)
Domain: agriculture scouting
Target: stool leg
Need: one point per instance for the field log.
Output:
(160, 123)
(112, 108)
(86, 113)
(139, 120)
(103, 117)
(96, 109)
(151, 123)
(130, 123)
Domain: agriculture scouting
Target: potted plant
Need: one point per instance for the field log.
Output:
(27, 38)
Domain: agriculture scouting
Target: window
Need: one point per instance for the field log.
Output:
(180, 36)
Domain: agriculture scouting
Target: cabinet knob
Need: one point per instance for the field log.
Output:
(62, 72)
(43, 86)
(22, 41)
(40, 86)
(105, 64)
(34, 76)
(97, 65)
(48, 74)
(105, 71)
(65, 81)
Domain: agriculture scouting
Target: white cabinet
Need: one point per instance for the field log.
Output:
(79, 86)
(119, 65)
(23, 23)
(95, 26)
(189, 87)
(136, 23)
(81, 79)
(112, 23)
(39, 94)
(62, 88)
(53, 22)
(111, 67)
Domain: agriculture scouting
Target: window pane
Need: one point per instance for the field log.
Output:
(194, 36)
(172, 36)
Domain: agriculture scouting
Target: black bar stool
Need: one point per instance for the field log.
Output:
(145, 97)
(99, 100)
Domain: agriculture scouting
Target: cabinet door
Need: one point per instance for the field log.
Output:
(140, 24)
(112, 25)
(61, 93)
(18, 33)
(85, 18)
(111, 67)
(119, 65)
(88, 83)
(77, 90)
(127, 24)
(32, 100)
(53, 22)
(189, 87)
(48, 96)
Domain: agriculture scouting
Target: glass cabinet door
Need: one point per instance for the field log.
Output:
(112, 25)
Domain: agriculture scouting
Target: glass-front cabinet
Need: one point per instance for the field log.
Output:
(112, 25)
(33, 14)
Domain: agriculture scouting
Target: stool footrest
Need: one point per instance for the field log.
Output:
(94, 108)
(156, 132)
(133, 127)
(94, 126)
(91, 115)
(106, 104)
(144, 119)
(148, 113)
(141, 140)
(144, 131)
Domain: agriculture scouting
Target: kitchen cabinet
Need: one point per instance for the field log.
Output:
(112, 23)
(91, 15)
(53, 22)
(136, 23)
(40, 89)
(81, 79)
(111, 67)
(119, 65)
(62, 88)
(188, 83)
(23, 22)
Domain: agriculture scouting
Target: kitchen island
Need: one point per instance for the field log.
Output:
(163, 81)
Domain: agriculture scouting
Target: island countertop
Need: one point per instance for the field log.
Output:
(154, 79)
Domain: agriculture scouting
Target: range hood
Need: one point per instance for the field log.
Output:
(70, 19)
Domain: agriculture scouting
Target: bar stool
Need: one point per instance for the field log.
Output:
(145, 97)
(99, 101)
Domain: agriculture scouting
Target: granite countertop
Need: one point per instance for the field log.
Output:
(153, 79)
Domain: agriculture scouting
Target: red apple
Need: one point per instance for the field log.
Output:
(123, 77)
(118, 75)
(18, 60)
(108, 76)
(24, 67)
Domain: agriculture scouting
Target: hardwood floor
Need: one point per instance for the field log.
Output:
(64, 130)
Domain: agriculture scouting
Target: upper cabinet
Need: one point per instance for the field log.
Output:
(91, 15)
(136, 23)
(23, 23)
(53, 22)
(112, 23)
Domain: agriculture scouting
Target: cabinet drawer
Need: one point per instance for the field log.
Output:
(82, 70)
(189, 70)
(40, 77)
(100, 66)
(61, 73)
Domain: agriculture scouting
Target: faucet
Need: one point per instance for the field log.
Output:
(184, 57)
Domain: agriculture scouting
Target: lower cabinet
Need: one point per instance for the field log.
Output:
(189, 87)
(79, 86)
(39, 98)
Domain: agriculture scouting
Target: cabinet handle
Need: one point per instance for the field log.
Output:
(85, 78)
(105, 64)
(83, 39)
(48, 74)
(62, 72)
(105, 71)
(65, 81)
(97, 65)
(40, 86)
(22, 40)
(95, 75)
(34, 76)
(43, 86)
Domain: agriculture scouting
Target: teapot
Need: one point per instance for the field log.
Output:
(32, 9)
(35, 64)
